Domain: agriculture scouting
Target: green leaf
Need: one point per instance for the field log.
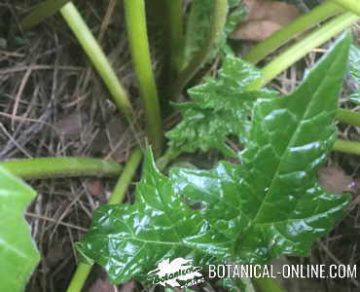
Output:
(129, 239)
(219, 108)
(273, 203)
(199, 23)
(354, 68)
(270, 204)
(18, 253)
(197, 27)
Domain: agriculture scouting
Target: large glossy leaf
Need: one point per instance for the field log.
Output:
(280, 207)
(269, 205)
(129, 239)
(18, 253)
(219, 108)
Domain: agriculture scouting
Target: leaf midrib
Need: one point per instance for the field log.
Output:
(291, 141)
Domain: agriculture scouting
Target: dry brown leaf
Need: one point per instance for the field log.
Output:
(69, 125)
(333, 179)
(95, 188)
(264, 18)
(102, 286)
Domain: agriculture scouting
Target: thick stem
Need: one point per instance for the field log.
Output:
(126, 177)
(41, 12)
(79, 278)
(305, 46)
(40, 168)
(348, 117)
(83, 270)
(140, 51)
(350, 5)
(347, 147)
(218, 24)
(97, 57)
(174, 27)
(298, 26)
(163, 161)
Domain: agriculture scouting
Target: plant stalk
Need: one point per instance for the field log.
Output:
(83, 270)
(345, 146)
(174, 27)
(350, 5)
(300, 49)
(218, 24)
(139, 46)
(348, 117)
(298, 26)
(97, 57)
(305, 46)
(126, 177)
(41, 12)
(41, 168)
(79, 278)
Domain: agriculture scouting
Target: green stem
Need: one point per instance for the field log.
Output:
(97, 57)
(79, 278)
(218, 24)
(140, 51)
(174, 27)
(350, 5)
(41, 12)
(300, 49)
(40, 168)
(126, 177)
(298, 26)
(166, 158)
(83, 270)
(347, 147)
(303, 47)
(348, 117)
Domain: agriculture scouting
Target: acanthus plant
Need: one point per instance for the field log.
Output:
(251, 212)
(266, 203)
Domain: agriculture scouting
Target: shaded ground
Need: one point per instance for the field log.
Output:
(53, 104)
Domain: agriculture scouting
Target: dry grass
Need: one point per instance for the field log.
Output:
(53, 104)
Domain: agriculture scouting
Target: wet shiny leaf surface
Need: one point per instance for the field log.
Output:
(219, 108)
(268, 205)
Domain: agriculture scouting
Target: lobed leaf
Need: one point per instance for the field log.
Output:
(18, 253)
(269, 205)
(128, 239)
(219, 108)
(273, 203)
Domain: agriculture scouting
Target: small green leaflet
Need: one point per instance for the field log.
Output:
(18, 253)
(270, 204)
(219, 108)
(199, 23)
(354, 68)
